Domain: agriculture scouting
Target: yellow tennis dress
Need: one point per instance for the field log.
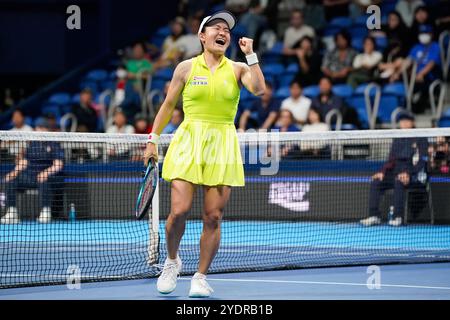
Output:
(205, 148)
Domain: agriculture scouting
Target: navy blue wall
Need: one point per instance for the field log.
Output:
(34, 38)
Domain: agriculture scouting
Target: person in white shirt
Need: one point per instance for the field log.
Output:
(296, 31)
(315, 124)
(364, 64)
(406, 8)
(297, 103)
(16, 149)
(119, 151)
(188, 45)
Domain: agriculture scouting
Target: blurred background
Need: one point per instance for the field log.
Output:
(321, 61)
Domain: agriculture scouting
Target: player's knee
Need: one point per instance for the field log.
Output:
(179, 213)
(212, 218)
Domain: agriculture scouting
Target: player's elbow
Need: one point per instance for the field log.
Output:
(260, 91)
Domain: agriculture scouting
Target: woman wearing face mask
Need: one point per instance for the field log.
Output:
(426, 56)
(204, 151)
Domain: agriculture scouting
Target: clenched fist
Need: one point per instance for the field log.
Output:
(246, 45)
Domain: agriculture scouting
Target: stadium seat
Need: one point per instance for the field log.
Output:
(360, 89)
(343, 90)
(97, 75)
(75, 98)
(274, 69)
(330, 31)
(446, 113)
(388, 103)
(396, 88)
(341, 22)
(273, 55)
(158, 84)
(164, 74)
(361, 21)
(358, 44)
(282, 93)
(239, 31)
(444, 122)
(357, 31)
(52, 109)
(311, 91)
(285, 79)
(381, 43)
(292, 68)
(60, 98)
(348, 126)
(92, 85)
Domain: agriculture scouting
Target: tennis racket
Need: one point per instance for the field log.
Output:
(147, 190)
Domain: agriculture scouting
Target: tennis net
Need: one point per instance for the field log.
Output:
(302, 205)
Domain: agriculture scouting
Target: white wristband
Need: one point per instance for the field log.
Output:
(153, 138)
(252, 59)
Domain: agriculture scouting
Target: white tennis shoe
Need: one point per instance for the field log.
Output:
(396, 222)
(167, 281)
(11, 216)
(370, 221)
(199, 287)
(45, 216)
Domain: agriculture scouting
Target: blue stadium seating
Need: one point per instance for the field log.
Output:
(357, 31)
(444, 122)
(311, 91)
(341, 22)
(282, 93)
(358, 43)
(164, 74)
(274, 69)
(158, 84)
(388, 103)
(343, 90)
(292, 68)
(330, 31)
(90, 85)
(97, 75)
(360, 89)
(446, 113)
(52, 109)
(274, 54)
(381, 43)
(396, 88)
(361, 21)
(59, 99)
(285, 79)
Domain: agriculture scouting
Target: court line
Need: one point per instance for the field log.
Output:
(323, 283)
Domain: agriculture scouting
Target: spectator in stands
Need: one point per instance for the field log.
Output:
(309, 63)
(426, 54)
(405, 168)
(119, 151)
(126, 94)
(85, 113)
(175, 121)
(398, 43)
(254, 20)
(39, 168)
(315, 122)
(53, 125)
(326, 100)
(297, 103)
(439, 155)
(365, 64)
(285, 123)
(421, 17)
(315, 148)
(294, 33)
(141, 124)
(237, 7)
(336, 8)
(338, 63)
(188, 45)
(16, 149)
(262, 113)
(139, 67)
(406, 8)
(170, 53)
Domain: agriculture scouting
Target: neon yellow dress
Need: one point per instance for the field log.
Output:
(205, 148)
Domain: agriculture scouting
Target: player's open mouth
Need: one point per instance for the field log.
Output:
(220, 42)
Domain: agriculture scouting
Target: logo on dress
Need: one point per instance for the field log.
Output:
(200, 81)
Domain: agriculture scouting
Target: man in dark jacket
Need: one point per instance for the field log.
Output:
(405, 168)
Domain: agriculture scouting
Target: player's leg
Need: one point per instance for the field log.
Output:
(22, 181)
(214, 202)
(399, 203)
(182, 194)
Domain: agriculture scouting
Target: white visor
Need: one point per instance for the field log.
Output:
(224, 15)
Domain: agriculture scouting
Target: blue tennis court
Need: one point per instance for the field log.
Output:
(42, 253)
(398, 282)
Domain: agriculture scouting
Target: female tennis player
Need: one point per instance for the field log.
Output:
(205, 150)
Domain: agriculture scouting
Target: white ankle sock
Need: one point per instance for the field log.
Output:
(199, 275)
